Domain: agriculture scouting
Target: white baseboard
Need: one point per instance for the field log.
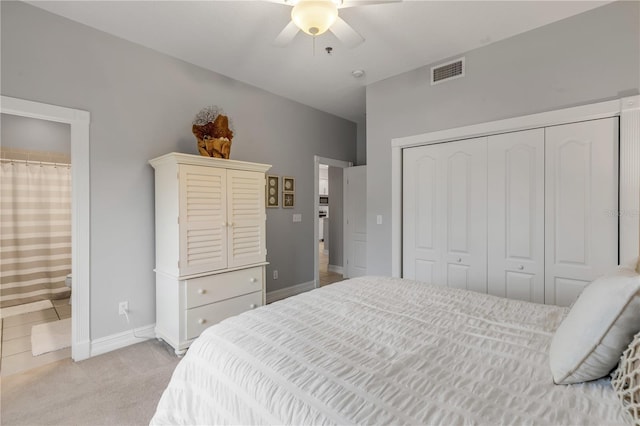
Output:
(81, 350)
(283, 293)
(336, 269)
(120, 340)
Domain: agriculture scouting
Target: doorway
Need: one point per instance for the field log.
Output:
(36, 243)
(328, 220)
(78, 122)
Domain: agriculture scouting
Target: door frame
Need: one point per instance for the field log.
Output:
(628, 109)
(317, 160)
(79, 122)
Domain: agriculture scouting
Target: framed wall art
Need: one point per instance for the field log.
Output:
(288, 200)
(272, 192)
(288, 184)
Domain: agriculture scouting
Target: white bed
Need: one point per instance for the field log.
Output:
(386, 351)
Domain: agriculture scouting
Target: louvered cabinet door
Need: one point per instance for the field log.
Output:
(246, 218)
(203, 219)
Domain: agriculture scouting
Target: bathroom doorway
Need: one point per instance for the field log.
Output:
(35, 243)
(77, 127)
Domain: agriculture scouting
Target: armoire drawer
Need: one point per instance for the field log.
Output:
(198, 319)
(214, 288)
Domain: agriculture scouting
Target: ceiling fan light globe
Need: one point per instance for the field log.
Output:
(314, 17)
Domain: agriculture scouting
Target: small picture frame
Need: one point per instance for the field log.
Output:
(273, 191)
(288, 200)
(288, 184)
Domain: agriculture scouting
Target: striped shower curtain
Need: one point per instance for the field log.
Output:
(35, 242)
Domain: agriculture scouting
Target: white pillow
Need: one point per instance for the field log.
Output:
(597, 329)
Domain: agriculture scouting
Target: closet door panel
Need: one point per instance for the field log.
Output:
(421, 242)
(464, 203)
(581, 194)
(516, 215)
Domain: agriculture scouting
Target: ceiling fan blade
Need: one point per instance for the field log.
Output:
(347, 35)
(286, 35)
(353, 3)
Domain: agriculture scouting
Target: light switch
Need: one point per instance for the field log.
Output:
(379, 219)
(297, 217)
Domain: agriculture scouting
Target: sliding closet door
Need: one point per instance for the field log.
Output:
(465, 214)
(421, 240)
(581, 201)
(516, 215)
(445, 214)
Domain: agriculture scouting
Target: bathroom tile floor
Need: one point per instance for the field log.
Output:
(15, 338)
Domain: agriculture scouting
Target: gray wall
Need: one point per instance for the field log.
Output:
(361, 143)
(336, 215)
(587, 58)
(35, 135)
(142, 104)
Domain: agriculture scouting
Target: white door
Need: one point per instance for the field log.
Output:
(355, 193)
(246, 217)
(422, 244)
(203, 218)
(464, 224)
(516, 215)
(445, 214)
(581, 201)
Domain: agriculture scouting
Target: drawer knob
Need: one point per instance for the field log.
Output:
(459, 259)
(201, 291)
(202, 321)
(521, 267)
(252, 306)
(253, 280)
(224, 224)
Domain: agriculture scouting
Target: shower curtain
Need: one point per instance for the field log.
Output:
(35, 237)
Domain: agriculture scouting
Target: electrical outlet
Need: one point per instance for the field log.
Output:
(122, 307)
(275, 274)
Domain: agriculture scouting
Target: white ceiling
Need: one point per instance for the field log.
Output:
(234, 38)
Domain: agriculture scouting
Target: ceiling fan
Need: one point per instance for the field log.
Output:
(315, 17)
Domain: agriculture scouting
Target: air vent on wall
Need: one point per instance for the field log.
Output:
(449, 71)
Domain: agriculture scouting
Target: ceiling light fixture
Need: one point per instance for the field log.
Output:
(314, 17)
(357, 73)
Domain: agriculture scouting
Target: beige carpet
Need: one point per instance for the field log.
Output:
(50, 336)
(118, 388)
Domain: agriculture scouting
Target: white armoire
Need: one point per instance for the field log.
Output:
(210, 243)
(526, 214)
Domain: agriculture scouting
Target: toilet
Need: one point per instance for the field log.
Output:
(67, 282)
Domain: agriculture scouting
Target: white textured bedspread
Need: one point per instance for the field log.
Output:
(382, 351)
